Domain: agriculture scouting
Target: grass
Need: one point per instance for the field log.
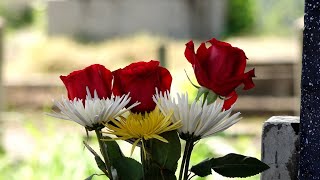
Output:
(58, 152)
(41, 54)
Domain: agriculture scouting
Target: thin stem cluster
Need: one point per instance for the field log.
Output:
(184, 169)
(104, 153)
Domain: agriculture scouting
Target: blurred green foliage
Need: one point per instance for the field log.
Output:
(16, 18)
(279, 17)
(20, 14)
(55, 156)
(245, 17)
(240, 17)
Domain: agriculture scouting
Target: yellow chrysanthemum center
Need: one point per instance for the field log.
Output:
(142, 127)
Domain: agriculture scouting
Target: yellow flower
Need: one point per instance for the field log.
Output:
(142, 127)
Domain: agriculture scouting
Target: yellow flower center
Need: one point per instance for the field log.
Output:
(142, 127)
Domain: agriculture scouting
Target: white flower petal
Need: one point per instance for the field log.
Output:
(94, 110)
(200, 120)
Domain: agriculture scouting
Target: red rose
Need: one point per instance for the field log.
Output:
(141, 79)
(220, 67)
(95, 77)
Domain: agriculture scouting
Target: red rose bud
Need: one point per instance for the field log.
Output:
(141, 79)
(95, 77)
(219, 67)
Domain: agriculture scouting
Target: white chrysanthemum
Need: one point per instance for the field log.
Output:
(197, 120)
(94, 110)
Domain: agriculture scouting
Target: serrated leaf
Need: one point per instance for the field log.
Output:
(128, 168)
(203, 168)
(166, 155)
(236, 165)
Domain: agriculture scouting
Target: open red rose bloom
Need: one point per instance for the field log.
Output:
(95, 77)
(220, 68)
(141, 79)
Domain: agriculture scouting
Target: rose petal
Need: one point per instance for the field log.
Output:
(231, 99)
(140, 79)
(248, 83)
(96, 77)
(214, 41)
(189, 52)
(202, 52)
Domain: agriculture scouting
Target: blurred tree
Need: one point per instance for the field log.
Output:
(278, 17)
(16, 14)
(241, 17)
(262, 16)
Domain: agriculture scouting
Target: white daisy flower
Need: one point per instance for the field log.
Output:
(94, 110)
(198, 121)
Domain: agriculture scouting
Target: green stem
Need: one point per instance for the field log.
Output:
(104, 153)
(186, 168)
(143, 159)
(192, 177)
(185, 152)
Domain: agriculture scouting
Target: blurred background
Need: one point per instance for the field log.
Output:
(43, 39)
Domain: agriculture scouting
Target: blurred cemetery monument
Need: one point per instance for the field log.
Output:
(96, 19)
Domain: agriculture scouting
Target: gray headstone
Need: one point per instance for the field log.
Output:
(280, 148)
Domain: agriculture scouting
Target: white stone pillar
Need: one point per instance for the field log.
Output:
(280, 147)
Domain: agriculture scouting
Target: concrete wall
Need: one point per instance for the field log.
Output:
(96, 19)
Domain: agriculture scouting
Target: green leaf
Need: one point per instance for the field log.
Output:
(212, 97)
(203, 168)
(99, 161)
(113, 150)
(156, 173)
(101, 164)
(90, 177)
(128, 168)
(201, 91)
(114, 153)
(236, 165)
(166, 155)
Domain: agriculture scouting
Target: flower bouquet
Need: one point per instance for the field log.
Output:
(134, 104)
